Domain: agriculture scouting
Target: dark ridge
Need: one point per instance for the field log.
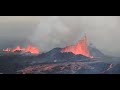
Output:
(56, 55)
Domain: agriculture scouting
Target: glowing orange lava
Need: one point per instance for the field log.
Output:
(29, 48)
(79, 48)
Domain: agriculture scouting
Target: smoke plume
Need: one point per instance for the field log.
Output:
(59, 31)
(51, 33)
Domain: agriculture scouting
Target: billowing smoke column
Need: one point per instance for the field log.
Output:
(51, 33)
(55, 31)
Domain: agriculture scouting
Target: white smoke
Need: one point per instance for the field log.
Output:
(56, 31)
(50, 33)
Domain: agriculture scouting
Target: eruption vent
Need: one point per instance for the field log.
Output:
(29, 48)
(80, 48)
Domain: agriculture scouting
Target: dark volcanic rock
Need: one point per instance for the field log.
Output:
(100, 67)
(67, 68)
(114, 70)
(56, 56)
(55, 62)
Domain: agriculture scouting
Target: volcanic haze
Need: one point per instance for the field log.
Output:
(49, 32)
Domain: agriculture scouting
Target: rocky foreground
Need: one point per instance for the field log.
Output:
(91, 67)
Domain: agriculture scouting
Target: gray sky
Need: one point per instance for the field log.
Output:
(49, 32)
(16, 29)
(9, 19)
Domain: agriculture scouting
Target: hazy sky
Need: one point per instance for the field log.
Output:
(49, 32)
(9, 19)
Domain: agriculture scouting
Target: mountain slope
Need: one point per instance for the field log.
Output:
(95, 52)
(55, 55)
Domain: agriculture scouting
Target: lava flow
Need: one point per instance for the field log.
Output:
(79, 48)
(29, 48)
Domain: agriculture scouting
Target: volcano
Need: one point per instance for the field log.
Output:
(80, 47)
(74, 59)
(56, 62)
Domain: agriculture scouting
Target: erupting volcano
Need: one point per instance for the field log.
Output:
(79, 48)
(29, 48)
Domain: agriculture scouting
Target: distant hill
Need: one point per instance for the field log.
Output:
(95, 52)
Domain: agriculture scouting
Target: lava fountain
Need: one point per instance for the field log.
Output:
(79, 48)
(29, 48)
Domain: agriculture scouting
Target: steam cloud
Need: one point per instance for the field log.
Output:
(54, 32)
(59, 31)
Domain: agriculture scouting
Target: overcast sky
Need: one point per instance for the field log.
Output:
(9, 19)
(49, 32)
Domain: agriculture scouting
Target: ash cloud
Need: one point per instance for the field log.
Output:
(59, 31)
